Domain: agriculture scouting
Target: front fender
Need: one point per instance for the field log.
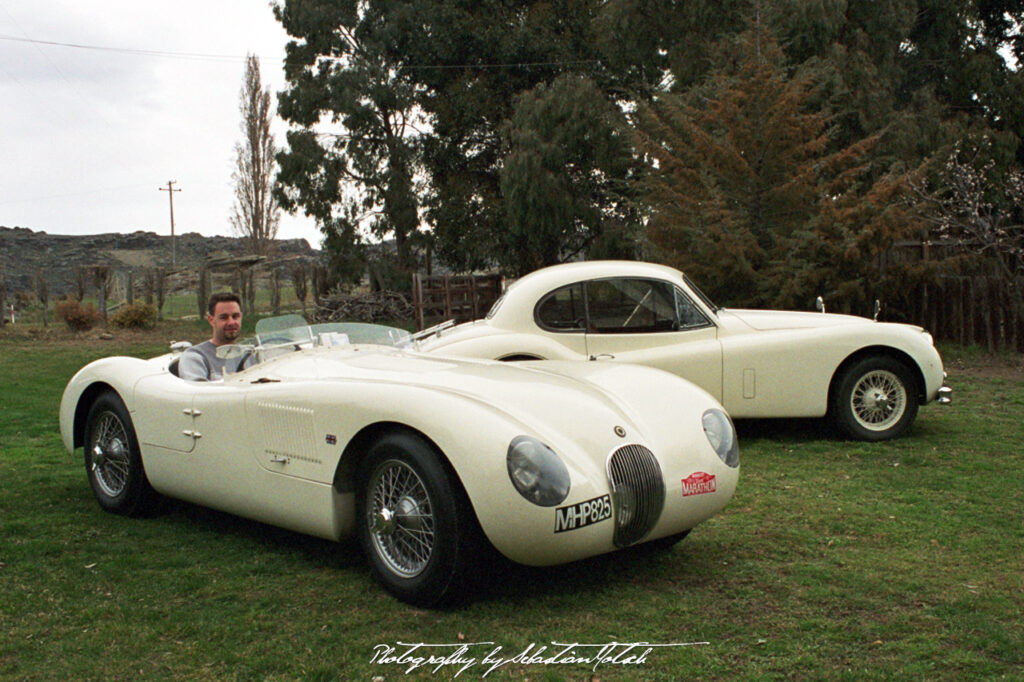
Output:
(118, 374)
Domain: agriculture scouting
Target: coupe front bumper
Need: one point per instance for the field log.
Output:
(945, 395)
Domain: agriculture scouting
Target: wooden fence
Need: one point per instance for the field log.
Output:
(967, 304)
(439, 298)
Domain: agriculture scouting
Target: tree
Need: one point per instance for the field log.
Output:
(275, 291)
(424, 89)
(490, 95)
(980, 208)
(298, 273)
(80, 282)
(747, 196)
(159, 290)
(565, 177)
(352, 151)
(439, 113)
(255, 214)
(43, 294)
(102, 278)
(3, 297)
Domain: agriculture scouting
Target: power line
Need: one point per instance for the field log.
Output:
(128, 50)
(66, 195)
(323, 58)
(56, 68)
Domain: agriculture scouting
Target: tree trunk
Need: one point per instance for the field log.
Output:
(203, 291)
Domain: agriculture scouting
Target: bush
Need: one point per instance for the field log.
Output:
(79, 318)
(135, 316)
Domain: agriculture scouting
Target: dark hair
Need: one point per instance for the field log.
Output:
(222, 297)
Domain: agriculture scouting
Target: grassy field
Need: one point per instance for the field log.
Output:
(176, 305)
(835, 560)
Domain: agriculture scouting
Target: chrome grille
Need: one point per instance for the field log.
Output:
(638, 492)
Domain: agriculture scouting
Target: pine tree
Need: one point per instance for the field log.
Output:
(749, 196)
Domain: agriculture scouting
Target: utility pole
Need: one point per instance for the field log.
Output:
(170, 195)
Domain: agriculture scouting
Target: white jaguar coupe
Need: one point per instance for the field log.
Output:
(868, 377)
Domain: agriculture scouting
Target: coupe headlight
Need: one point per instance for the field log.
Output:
(537, 472)
(722, 436)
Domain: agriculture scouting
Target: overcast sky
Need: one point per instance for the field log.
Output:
(88, 134)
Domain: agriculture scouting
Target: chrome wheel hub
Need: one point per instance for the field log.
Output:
(879, 401)
(384, 522)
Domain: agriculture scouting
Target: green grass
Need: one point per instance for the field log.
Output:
(835, 560)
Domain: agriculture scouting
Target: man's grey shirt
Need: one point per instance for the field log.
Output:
(200, 363)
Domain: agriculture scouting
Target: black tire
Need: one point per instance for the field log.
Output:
(414, 522)
(876, 399)
(112, 460)
(664, 544)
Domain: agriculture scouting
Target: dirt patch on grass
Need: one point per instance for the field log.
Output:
(58, 335)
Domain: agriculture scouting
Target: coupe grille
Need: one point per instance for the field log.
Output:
(638, 491)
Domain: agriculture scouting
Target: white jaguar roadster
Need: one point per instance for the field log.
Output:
(869, 377)
(336, 429)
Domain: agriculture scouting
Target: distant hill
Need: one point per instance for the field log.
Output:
(24, 252)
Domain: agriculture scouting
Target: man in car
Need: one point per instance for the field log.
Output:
(200, 362)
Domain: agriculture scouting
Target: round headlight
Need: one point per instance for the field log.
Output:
(722, 436)
(537, 472)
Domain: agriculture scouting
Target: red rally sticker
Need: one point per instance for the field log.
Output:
(698, 483)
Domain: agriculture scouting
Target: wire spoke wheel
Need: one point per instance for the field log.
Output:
(415, 524)
(112, 459)
(400, 518)
(878, 400)
(109, 454)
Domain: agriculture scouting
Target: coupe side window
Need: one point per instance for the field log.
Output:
(631, 306)
(687, 312)
(563, 310)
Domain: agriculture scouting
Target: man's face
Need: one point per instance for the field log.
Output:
(226, 322)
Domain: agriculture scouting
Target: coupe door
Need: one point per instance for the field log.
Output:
(653, 323)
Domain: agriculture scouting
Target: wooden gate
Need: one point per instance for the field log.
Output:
(439, 298)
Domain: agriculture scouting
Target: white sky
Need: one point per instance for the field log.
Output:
(87, 136)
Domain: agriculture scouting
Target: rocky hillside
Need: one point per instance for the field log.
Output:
(24, 252)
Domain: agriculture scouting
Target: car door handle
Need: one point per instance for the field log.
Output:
(193, 434)
(191, 413)
(279, 459)
(601, 356)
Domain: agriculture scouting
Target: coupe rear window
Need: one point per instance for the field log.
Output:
(563, 309)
